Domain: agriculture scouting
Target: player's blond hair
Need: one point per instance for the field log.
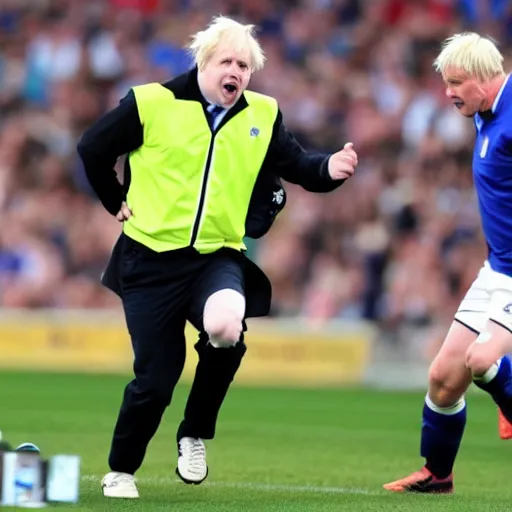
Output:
(226, 30)
(477, 55)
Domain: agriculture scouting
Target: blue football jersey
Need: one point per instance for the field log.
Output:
(492, 175)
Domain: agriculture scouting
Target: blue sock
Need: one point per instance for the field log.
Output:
(441, 435)
(497, 381)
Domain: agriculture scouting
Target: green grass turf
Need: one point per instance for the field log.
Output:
(276, 449)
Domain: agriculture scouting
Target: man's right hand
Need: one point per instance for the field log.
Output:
(124, 213)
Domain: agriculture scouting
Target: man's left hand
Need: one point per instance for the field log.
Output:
(343, 163)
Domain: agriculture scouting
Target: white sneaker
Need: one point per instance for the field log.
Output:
(192, 467)
(119, 485)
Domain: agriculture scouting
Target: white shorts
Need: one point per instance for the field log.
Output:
(489, 297)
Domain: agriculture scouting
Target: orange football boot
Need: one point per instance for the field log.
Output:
(422, 481)
(504, 426)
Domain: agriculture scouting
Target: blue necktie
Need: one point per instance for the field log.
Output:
(213, 112)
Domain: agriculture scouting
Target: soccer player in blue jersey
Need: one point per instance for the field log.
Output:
(481, 333)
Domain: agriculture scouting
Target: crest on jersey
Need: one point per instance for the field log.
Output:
(485, 145)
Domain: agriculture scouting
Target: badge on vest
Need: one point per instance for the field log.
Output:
(254, 132)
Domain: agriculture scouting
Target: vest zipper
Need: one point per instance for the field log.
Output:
(197, 220)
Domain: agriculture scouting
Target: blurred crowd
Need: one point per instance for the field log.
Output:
(397, 244)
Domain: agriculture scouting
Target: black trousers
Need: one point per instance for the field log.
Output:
(160, 291)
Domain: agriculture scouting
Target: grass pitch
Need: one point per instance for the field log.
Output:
(276, 450)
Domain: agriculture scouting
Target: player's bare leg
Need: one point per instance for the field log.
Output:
(492, 368)
(444, 416)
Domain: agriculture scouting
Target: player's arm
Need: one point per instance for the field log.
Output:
(289, 160)
(116, 133)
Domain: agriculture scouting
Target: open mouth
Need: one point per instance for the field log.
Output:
(230, 88)
(458, 103)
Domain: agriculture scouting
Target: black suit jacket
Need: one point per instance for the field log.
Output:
(119, 132)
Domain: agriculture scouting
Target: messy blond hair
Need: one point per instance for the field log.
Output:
(226, 30)
(476, 55)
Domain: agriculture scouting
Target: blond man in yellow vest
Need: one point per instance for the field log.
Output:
(201, 149)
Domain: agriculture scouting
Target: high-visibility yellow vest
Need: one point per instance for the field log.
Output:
(189, 186)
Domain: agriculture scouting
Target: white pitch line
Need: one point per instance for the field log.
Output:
(316, 489)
